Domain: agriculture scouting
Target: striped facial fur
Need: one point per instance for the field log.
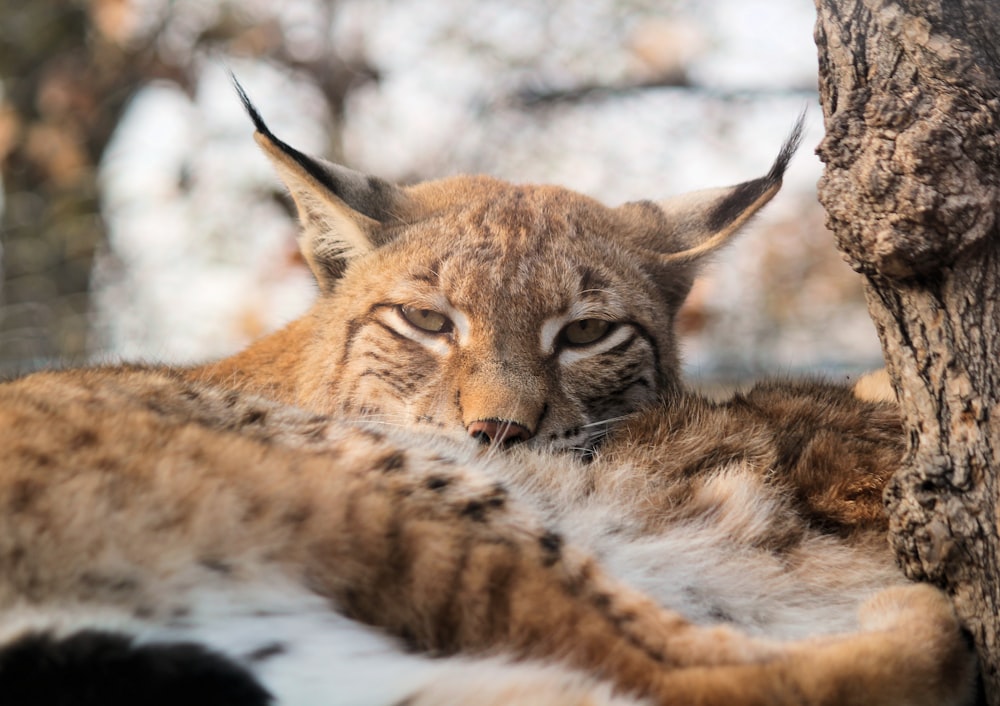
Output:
(511, 316)
(484, 310)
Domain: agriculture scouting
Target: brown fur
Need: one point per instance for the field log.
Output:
(133, 487)
(353, 364)
(407, 539)
(830, 452)
(510, 267)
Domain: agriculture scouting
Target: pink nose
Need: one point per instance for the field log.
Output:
(498, 431)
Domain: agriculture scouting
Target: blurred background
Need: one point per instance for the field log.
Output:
(138, 219)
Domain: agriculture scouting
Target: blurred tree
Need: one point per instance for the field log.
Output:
(68, 70)
(618, 98)
(66, 79)
(911, 95)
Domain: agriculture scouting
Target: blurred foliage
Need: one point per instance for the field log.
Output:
(68, 70)
(601, 96)
(65, 83)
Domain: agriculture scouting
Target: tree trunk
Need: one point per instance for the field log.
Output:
(911, 98)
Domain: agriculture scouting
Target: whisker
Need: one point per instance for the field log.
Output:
(495, 446)
(609, 420)
(382, 423)
(376, 418)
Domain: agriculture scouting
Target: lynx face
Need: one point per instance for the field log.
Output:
(515, 314)
(483, 309)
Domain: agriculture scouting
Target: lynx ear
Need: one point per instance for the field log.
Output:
(342, 211)
(701, 222)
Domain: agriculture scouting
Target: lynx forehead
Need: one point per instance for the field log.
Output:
(485, 309)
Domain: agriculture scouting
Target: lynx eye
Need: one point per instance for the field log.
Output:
(583, 332)
(426, 319)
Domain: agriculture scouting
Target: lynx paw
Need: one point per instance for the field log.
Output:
(875, 387)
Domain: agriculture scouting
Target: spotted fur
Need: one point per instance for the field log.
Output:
(135, 491)
(315, 521)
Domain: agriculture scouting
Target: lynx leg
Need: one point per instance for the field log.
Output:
(417, 542)
(515, 588)
(910, 654)
(875, 387)
(455, 564)
(424, 544)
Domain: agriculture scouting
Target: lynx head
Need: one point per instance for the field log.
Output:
(497, 311)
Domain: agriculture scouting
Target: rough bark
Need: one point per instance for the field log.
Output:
(911, 97)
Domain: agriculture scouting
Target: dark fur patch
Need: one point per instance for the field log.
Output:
(551, 543)
(428, 275)
(92, 668)
(392, 462)
(255, 508)
(103, 583)
(23, 494)
(82, 439)
(40, 459)
(602, 601)
(437, 483)
(499, 497)
(254, 416)
(476, 510)
(726, 453)
(501, 579)
(448, 616)
(654, 346)
(719, 614)
(189, 393)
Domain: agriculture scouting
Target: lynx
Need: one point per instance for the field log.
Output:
(470, 474)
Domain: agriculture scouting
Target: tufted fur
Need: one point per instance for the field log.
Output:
(318, 518)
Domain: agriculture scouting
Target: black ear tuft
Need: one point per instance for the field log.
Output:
(745, 194)
(310, 165)
(791, 146)
(258, 122)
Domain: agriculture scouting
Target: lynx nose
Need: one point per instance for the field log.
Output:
(498, 431)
